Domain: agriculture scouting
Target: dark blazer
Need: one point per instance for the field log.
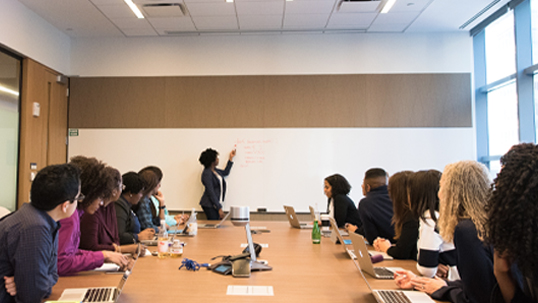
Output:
(127, 227)
(345, 211)
(100, 230)
(211, 195)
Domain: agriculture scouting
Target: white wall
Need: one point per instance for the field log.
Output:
(28, 34)
(273, 55)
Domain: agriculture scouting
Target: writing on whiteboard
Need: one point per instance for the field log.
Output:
(251, 152)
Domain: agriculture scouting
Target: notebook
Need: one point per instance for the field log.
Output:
(337, 237)
(294, 222)
(207, 226)
(363, 257)
(395, 296)
(99, 294)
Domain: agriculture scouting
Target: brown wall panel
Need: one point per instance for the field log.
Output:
(371, 100)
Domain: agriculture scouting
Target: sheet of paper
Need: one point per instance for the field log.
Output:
(248, 290)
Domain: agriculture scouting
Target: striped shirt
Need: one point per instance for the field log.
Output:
(433, 250)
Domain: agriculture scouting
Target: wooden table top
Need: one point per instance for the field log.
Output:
(302, 271)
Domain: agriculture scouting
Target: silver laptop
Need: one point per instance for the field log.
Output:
(294, 222)
(337, 237)
(313, 213)
(208, 226)
(395, 296)
(99, 294)
(363, 257)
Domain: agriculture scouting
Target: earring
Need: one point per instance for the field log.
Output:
(130, 195)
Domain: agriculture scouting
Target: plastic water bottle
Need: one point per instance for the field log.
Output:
(193, 224)
(163, 246)
(177, 249)
(316, 234)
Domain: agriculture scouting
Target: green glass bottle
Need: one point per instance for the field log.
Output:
(316, 234)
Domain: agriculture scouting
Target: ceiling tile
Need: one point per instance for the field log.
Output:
(116, 11)
(107, 2)
(256, 22)
(137, 32)
(308, 7)
(260, 8)
(394, 27)
(172, 23)
(357, 7)
(215, 22)
(131, 23)
(409, 5)
(211, 9)
(395, 18)
(354, 20)
(305, 21)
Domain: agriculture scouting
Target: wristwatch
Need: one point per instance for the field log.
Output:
(162, 207)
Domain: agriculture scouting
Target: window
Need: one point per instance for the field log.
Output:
(500, 49)
(10, 69)
(503, 124)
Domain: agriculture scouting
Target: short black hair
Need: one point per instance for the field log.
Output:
(158, 172)
(133, 183)
(374, 173)
(339, 185)
(53, 185)
(208, 157)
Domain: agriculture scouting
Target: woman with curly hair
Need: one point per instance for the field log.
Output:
(511, 227)
(214, 183)
(340, 207)
(464, 191)
(405, 223)
(97, 186)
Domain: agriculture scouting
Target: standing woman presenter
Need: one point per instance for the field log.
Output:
(214, 183)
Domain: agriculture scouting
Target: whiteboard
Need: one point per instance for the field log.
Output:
(273, 167)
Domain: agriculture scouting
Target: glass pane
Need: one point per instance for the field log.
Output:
(534, 28)
(500, 48)
(9, 129)
(503, 119)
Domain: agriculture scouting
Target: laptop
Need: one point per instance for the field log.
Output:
(363, 257)
(294, 222)
(337, 237)
(395, 296)
(99, 294)
(312, 213)
(208, 226)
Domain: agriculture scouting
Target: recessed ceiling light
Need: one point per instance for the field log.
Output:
(134, 8)
(388, 6)
(230, 1)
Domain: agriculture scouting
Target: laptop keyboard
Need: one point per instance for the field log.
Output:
(383, 273)
(393, 296)
(98, 294)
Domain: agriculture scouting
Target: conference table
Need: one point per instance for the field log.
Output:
(302, 271)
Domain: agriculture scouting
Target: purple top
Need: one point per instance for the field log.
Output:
(71, 259)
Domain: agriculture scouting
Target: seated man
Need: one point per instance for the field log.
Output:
(29, 236)
(375, 209)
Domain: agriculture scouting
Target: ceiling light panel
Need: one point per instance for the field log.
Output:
(260, 8)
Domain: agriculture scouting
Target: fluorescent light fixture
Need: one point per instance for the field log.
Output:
(230, 1)
(134, 8)
(9, 91)
(386, 8)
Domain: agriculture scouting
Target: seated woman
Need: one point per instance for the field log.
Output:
(511, 226)
(158, 202)
(463, 194)
(340, 206)
(99, 231)
(128, 225)
(96, 187)
(148, 215)
(405, 223)
(435, 256)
